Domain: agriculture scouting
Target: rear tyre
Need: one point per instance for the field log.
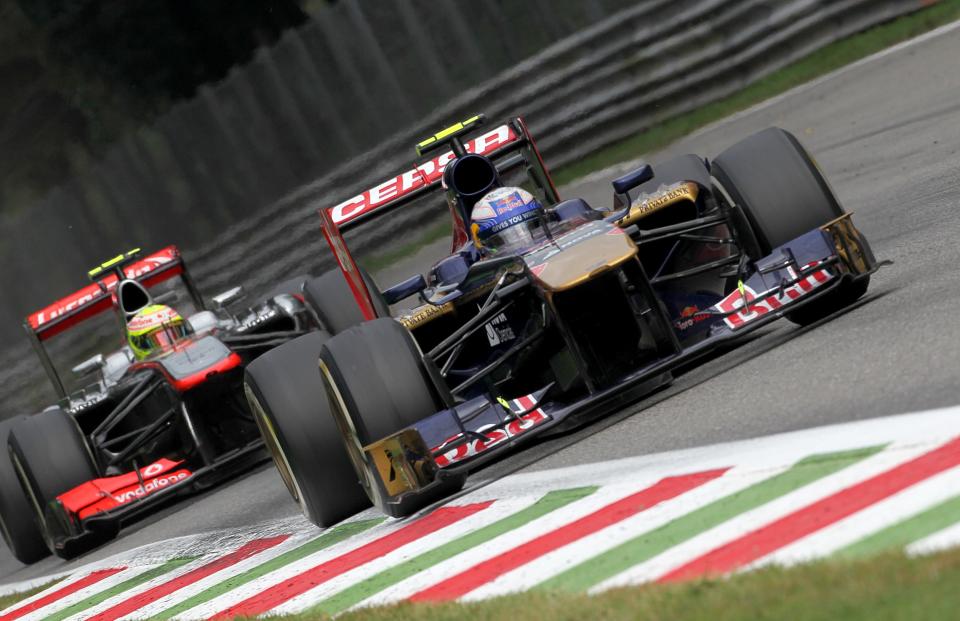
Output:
(50, 456)
(376, 373)
(17, 524)
(287, 399)
(783, 194)
(332, 300)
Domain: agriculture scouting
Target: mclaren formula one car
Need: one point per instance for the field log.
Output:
(594, 311)
(142, 425)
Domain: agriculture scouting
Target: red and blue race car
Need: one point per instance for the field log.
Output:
(547, 312)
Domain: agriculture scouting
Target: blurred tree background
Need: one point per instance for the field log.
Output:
(75, 75)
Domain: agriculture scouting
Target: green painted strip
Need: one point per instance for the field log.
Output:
(373, 585)
(333, 536)
(905, 532)
(639, 549)
(124, 586)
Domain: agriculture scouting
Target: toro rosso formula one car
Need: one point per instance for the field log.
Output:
(583, 312)
(163, 413)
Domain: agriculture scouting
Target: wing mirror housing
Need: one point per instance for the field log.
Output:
(622, 185)
(405, 289)
(230, 295)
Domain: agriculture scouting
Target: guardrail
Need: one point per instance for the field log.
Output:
(621, 75)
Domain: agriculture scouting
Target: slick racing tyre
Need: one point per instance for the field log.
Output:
(376, 374)
(17, 524)
(287, 399)
(331, 299)
(783, 195)
(50, 456)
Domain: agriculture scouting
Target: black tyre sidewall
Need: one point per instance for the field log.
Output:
(777, 185)
(330, 298)
(379, 374)
(287, 385)
(20, 529)
(783, 194)
(54, 458)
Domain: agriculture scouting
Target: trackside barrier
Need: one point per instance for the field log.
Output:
(276, 122)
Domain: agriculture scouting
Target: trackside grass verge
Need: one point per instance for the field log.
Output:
(9, 600)
(819, 63)
(887, 587)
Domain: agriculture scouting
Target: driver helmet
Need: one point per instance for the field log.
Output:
(155, 329)
(505, 218)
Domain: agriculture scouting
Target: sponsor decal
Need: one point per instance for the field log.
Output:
(738, 314)
(153, 319)
(93, 292)
(418, 178)
(499, 330)
(508, 203)
(690, 316)
(108, 493)
(493, 436)
(646, 204)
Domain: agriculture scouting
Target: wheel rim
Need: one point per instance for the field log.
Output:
(351, 438)
(272, 440)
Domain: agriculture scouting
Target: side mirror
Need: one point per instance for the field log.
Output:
(627, 182)
(230, 295)
(403, 290)
(88, 366)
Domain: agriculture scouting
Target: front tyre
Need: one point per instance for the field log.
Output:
(287, 399)
(783, 194)
(17, 524)
(376, 377)
(50, 456)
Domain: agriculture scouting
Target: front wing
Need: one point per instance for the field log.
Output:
(432, 458)
(93, 512)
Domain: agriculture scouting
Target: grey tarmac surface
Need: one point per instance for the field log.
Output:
(887, 133)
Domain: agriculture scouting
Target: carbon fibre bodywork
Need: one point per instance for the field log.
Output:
(594, 316)
(155, 428)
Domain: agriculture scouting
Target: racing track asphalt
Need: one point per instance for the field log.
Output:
(887, 132)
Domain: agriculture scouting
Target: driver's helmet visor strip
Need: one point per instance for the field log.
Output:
(161, 339)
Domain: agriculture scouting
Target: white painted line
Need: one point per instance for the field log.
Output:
(189, 591)
(508, 541)
(231, 598)
(888, 512)
(947, 538)
(60, 585)
(751, 520)
(498, 510)
(562, 559)
(142, 588)
(82, 594)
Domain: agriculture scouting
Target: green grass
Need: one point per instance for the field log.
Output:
(9, 600)
(886, 587)
(883, 587)
(819, 63)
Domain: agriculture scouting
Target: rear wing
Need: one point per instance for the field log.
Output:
(508, 145)
(95, 298)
